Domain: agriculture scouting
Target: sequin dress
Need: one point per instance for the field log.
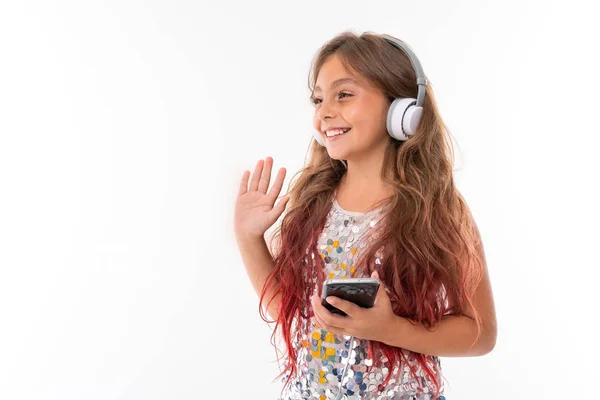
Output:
(334, 366)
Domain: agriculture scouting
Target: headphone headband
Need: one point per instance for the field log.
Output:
(421, 80)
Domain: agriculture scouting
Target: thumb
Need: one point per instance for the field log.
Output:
(278, 209)
(381, 294)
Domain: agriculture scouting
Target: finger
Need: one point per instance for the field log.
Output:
(326, 316)
(346, 306)
(277, 184)
(256, 175)
(322, 325)
(265, 177)
(318, 319)
(244, 183)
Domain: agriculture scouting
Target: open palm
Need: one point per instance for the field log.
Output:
(255, 209)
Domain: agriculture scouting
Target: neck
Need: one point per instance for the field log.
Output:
(363, 175)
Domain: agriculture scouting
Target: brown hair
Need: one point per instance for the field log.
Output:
(427, 237)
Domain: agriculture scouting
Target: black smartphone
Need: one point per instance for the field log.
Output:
(360, 291)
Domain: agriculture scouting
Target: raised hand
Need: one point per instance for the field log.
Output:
(255, 209)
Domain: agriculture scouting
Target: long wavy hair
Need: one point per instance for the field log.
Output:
(426, 242)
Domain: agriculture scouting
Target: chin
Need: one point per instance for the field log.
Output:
(338, 156)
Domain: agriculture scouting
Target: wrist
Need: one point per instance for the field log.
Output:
(251, 239)
(396, 328)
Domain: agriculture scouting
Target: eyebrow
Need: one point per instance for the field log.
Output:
(337, 82)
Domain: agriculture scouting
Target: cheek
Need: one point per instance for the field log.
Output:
(371, 121)
(362, 115)
(355, 114)
(316, 125)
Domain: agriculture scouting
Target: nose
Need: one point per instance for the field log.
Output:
(327, 109)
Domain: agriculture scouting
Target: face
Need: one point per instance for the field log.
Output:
(356, 105)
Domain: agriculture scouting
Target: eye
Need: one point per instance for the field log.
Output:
(314, 100)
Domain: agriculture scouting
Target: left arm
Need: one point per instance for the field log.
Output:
(455, 335)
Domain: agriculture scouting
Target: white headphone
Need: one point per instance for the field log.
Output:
(404, 113)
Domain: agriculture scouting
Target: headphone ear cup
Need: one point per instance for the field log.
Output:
(318, 138)
(411, 119)
(403, 118)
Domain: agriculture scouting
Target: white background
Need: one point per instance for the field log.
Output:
(126, 126)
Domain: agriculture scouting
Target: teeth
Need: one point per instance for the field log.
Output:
(335, 132)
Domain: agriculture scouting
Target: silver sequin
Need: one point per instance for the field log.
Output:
(322, 356)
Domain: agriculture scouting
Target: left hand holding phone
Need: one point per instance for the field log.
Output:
(365, 323)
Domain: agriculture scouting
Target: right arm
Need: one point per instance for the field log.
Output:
(255, 212)
(259, 264)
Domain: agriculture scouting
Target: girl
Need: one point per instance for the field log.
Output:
(376, 199)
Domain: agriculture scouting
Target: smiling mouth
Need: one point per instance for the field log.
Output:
(337, 136)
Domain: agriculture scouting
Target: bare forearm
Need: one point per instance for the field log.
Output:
(453, 337)
(259, 264)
